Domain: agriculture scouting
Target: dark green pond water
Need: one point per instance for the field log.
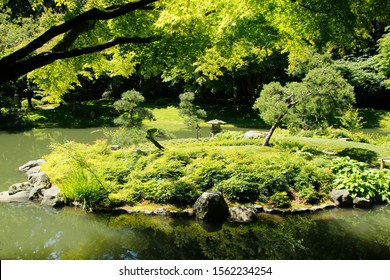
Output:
(28, 231)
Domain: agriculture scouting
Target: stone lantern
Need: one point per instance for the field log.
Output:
(215, 126)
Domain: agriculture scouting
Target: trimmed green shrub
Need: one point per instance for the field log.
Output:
(239, 189)
(309, 195)
(281, 200)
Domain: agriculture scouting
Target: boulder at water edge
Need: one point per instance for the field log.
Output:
(341, 198)
(360, 202)
(31, 164)
(243, 214)
(52, 197)
(211, 206)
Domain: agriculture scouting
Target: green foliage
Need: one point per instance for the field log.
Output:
(126, 137)
(131, 119)
(132, 114)
(229, 135)
(362, 73)
(383, 57)
(181, 193)
(207, 172)
(34, 103)
(309, 104)
(351, 119)
(361, 181)
(241, 188)
(309, 195)
(272, 102)
(330, 95)
(14, 32)
(281, 200)
(322, 95)
(201, 41)
(7, 105)
(187, 109)
(86, 173)
(301, 63)
(97, 176)
(81, 185)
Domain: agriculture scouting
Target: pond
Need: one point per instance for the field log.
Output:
(28, 231)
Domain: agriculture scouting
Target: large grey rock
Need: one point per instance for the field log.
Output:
(36, 193)
(52, 197)
(39, 178)
(21, 196)
(4, 196)
(18, 187)
(243, 214)
(35, 169)
(362, 202)
(211, 206)
(341, 198)
(251, 134)
(31, 163)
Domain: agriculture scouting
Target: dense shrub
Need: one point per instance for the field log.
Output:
(240, 189)
(309, 195)
(281, 200)
(97, 176)
(361, 181)
(230, 135)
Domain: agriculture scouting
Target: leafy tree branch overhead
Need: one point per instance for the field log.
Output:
(25, 60)
(195, 40)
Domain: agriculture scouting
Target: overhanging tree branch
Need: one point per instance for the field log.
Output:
(20, 57)
(23, 67)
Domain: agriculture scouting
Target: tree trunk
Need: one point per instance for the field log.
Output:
(21, 62)
(273, 128)
(29, 100)
(155, 143)
(198, 131)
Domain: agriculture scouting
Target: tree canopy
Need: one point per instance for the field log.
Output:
(183, 40)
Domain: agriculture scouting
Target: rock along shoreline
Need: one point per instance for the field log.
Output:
(209, 207)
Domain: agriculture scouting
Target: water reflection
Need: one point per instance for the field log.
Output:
(32, 232)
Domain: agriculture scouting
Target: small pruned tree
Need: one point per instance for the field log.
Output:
(132, 129)
(132, 114)
(188, 110)
(323, 94)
